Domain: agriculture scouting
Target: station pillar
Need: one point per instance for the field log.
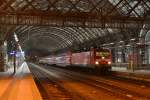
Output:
(3, 57)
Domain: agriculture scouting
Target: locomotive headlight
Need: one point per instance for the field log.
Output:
(96, 62)
(109, 62)
(103, 57)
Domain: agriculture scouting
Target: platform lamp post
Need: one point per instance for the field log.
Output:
(14, 62)
(134, 54)
(13, 53)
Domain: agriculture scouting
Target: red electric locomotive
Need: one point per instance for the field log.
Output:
(95, 58)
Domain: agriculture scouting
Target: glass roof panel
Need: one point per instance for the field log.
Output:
(41, 4)
(86, 35)
(64, 5)
(132, 7)
(84, 6)
(18, 4)
(114, 2)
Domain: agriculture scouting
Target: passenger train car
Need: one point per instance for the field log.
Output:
(94, 58)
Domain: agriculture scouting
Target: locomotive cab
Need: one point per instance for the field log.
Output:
(102, 59)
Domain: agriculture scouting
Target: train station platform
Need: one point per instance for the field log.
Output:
(140, 74)
(19, 86)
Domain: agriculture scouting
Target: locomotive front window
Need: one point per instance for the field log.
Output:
(102, 54)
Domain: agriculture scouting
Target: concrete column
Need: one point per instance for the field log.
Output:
(3, 57)
(1, 60)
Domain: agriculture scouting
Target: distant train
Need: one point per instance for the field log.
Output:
(94, 58)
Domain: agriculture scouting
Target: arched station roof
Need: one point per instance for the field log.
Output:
(52, 25)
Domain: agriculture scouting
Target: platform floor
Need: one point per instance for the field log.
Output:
(138, 71)
(19, 86)
(143, 75)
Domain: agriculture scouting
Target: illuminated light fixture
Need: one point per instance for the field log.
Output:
(133, 39)
(5, 44)
(103, 57)
(109, 62)
(121, 41)
(96, 62)
(16, 38)
(128, 45)
(138, 43)
(112, 43)
(13, 53)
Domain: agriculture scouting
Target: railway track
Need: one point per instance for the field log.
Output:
(129, 79)
(112, 76)
(52, 89)
(106, 84)
(125, 77)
